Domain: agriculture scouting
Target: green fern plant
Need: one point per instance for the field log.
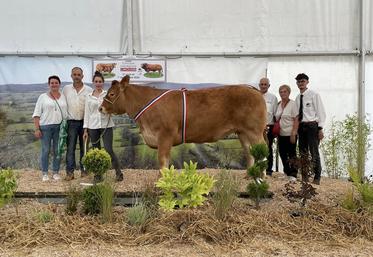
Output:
(8, 185)
(365, 190)
(184, 189)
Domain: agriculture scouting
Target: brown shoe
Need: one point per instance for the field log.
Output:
(69, 177)
(119, 177)
(83, 174)
(316, 181)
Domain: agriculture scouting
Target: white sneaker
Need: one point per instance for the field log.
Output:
(291, 178)
(56, 177)
(45, 178)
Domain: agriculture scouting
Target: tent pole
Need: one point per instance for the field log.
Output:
(129, 50)
(361, 94)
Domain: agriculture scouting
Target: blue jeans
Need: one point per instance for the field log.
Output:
(74, 131)
(49, 137)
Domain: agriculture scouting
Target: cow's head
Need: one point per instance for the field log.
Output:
(115, 98)
(143, 66)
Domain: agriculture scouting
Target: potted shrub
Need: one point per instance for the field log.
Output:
(97, 161)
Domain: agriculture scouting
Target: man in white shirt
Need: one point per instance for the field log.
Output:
(271, 103)
(75, 94)
(311, 122)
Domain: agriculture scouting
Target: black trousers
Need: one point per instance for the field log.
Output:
(309, 144)
(288, 152)
(270, 138)
(94, 135)
(74, 133)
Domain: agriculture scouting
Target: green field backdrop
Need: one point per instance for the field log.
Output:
(20, 149)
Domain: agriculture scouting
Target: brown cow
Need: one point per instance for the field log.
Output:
(212, 113)
(152, 67)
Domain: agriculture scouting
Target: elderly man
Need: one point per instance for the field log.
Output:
(271, 103)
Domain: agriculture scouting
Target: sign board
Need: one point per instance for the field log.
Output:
(139, 70)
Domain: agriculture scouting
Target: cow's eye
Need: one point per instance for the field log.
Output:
(111, 94)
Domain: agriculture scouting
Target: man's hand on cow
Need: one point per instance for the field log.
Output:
(38, 133)
(321, 134)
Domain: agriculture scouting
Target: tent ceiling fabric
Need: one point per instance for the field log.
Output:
(246, 25)
(62, 26)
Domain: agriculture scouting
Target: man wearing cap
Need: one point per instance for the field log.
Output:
(311, 122)
(271, 103)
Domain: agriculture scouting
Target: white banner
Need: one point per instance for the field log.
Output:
(139, 70)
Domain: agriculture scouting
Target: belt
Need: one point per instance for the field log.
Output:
(308, 122)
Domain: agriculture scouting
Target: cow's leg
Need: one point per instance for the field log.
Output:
(164, 150)
(248, 139)
(246, 149)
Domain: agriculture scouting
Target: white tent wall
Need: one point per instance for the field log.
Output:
(69, 26)
(34, 70)
(335, 78)
(245, 70)
(191, 26)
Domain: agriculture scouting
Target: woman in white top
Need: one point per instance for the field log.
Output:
(287, 112)
(97, 124)
(49, 111)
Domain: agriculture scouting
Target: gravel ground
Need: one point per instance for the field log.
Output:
(329, 191)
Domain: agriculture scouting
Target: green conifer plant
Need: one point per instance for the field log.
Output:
(258, 188)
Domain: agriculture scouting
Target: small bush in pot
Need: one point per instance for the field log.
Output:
(97, 161)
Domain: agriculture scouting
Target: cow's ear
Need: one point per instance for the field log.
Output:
(124, 82)
(114, 82)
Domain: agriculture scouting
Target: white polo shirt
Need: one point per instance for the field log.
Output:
(93, 119)
(76, 101)
(47, 109)
(271, 103)
(287, 118)
(313, 108)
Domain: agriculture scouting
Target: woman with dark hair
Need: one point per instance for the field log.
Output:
(99, 125)
(49, 111)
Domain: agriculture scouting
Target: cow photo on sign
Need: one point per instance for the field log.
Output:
(152, 70)
(171, 117)
(106, 69)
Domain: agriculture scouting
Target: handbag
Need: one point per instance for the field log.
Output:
(276, 127)
(62, 137)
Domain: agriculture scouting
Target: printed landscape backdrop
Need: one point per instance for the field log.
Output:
(22, 80)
